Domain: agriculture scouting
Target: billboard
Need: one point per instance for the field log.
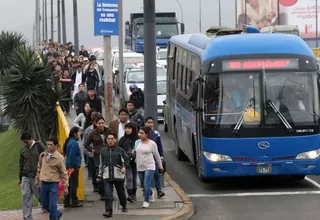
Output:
(263, 13)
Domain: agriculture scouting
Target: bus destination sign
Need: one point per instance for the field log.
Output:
(253, 64)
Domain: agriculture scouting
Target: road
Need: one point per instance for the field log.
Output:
(244, 198)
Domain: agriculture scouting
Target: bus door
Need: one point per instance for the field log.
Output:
(197, 103)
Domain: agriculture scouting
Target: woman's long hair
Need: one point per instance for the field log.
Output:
(72, 133)
(89, 120)
(134, 135)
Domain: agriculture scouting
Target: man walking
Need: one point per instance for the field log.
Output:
(51, 169)
(29, 157)
(113, 164)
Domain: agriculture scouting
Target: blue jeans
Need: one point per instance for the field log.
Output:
(157, 177)
(49, 198)
(146, 178)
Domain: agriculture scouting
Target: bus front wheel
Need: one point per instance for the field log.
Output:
(298, 177)
(200, 175)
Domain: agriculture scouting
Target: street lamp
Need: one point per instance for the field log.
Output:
(200, 16)
(180, 10)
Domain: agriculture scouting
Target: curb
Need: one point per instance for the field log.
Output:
(187, 210)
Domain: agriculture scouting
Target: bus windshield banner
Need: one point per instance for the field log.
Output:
(254, 64)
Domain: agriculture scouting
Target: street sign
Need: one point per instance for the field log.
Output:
(106, 17)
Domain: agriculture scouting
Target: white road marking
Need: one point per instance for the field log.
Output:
(254, 194)
(316, 184)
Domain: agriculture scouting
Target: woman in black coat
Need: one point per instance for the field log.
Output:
(127, 144)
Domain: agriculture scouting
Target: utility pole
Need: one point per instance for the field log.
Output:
(150, 67)
(200, 16)
(64, 27)
(37, 42)
(46, 18)
(108, 85)
(43, 17)
(220, 12)
(76, 27)
(59, 20)
(52, 37)
(120, 39)
(316, 23)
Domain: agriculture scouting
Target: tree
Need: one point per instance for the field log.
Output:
(8, 42)
(30, 94)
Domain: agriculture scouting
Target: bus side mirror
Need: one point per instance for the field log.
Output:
(182, 28)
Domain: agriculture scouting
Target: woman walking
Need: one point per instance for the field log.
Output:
(80, 120)
(146, 157)
(127, 144)
(72, 153)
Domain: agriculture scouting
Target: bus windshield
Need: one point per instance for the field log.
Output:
(162, 30)
(226, 95)
(230, 96)
(295, 95)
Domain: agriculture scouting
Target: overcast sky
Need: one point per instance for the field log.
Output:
(19, 15)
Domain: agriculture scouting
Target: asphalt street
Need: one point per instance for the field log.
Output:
(277, 198)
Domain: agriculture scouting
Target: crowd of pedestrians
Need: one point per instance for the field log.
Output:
(116, 153)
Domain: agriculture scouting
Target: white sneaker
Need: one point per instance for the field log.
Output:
(152, 199)
(145, 205)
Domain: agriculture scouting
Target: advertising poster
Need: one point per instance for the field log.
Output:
(258, 13)
(301, 13)
(263, 13)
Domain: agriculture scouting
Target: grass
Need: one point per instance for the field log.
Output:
(10, 193)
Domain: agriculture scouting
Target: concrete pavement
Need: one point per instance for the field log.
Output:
(175, 205)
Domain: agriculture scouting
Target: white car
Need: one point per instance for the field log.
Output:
(136, 76)
(128, 57)
(162, 57)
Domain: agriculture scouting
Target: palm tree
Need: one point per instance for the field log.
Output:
(8, 42)
(30, 94)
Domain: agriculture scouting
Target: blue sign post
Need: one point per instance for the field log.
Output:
(106, 17)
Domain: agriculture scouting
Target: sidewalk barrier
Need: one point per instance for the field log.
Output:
(63, 133)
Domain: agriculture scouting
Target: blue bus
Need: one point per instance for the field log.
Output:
(244, 104)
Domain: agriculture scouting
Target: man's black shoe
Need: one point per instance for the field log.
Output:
(59, 216)
(161, 194)
(77, 205)
(107, 214)
(124, 209)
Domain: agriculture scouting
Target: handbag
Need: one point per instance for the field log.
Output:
(164, 165)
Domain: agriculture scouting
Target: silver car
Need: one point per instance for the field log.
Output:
(136, 76)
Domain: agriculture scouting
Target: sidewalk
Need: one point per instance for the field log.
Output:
(93, 208)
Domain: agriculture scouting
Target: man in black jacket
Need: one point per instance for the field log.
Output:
(113, 164)
(80, 99)
(134, 115)
(94, 100)
(29, 157)
(137, 97)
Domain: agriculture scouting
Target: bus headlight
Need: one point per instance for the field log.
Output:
(217, 157)
(309, 155)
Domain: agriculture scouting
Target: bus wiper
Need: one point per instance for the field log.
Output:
(280, 115)
(241, 119)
